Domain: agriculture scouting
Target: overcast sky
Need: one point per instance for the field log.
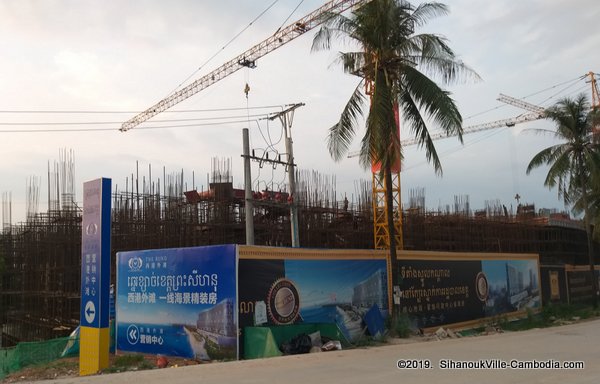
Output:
(127, 55)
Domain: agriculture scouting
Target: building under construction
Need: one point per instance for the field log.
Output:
(40, 280)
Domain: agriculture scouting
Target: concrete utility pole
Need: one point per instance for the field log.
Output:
(249, 207)
(286, 117)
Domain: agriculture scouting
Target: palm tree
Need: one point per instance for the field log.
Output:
(575, 163)
(392, 62)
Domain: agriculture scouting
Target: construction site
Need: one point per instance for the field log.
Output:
(40, 257)
(41, 279)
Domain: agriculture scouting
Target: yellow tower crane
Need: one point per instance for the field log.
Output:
(380, 229)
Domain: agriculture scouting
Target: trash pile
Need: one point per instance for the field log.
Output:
(309, 343)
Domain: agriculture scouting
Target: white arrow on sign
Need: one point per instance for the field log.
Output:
(90, 312)
(132, 334)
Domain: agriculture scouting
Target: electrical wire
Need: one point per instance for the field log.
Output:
(458, 149)
(117, 129)
(130, 112)
(557, 93)
(554, 86)
(117, 122)
(525, 97)
(289, 16)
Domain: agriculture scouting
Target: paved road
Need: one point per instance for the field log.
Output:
(379, 365)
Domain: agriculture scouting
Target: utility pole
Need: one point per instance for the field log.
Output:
(249, 205)
(287, 117)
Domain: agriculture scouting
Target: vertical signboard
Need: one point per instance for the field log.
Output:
(95, 276)
(178, 302)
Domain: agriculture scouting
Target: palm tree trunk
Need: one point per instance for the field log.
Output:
(393, 261)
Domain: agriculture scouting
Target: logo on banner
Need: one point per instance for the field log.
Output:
(91, 229)
(283, 302)
(481, 286)
(135, 263)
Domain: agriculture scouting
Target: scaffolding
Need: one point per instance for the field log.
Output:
(40, 280)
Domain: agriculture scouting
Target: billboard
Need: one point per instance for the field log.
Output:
(178, 302)
(446, 290)
(580, 283)
(311, 290)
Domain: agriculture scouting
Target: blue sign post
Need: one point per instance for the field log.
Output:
(95, 277)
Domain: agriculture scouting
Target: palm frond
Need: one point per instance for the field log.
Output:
(342, 133)
(427, 11)
(433, 101)
(545, 156)
(412, 116)
(334, 27)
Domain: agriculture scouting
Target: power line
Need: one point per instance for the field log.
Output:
(129, 112)
(554, 86)
(117, 129)
(262, 115)
(530, 95)
(289, 16)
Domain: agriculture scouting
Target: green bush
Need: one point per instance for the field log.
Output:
(402, 326)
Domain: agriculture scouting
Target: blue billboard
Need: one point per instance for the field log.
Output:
(178, 302)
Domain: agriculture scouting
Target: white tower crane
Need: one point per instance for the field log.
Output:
(246, 59)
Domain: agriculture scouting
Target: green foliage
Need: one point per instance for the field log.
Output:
(400, 327)
(370, 341)
(217, 352)
(128, 360)
(550, 315)
(394, 62)
(576, 161)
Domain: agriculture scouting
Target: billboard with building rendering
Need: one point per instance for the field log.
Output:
(178, 302)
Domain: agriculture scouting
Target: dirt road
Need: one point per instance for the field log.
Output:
(576, 342)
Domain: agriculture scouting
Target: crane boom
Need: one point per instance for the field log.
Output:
(520, 103)
(483, 127)
(246, 59)
(472, 129)
(536, 113)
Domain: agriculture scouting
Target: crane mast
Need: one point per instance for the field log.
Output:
(246, 59)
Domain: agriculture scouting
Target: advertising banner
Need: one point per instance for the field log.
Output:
(580, 284)
(178, 302)
(312, 291)
(437, 292)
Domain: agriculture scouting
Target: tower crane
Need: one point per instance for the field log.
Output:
(246, 59)
(535, 113)
(380, 232)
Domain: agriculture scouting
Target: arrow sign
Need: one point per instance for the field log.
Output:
(90, 312)
(132, 334)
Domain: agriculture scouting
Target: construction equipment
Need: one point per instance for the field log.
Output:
(380, 229)
(595, 103)
(536, 113)
(246, 59)
(595, 94)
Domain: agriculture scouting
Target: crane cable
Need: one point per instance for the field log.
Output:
(225, 46)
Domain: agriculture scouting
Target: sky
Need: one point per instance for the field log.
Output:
(115, 56)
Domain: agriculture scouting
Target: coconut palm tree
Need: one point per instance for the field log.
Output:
(393, 63)
(574, 163)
